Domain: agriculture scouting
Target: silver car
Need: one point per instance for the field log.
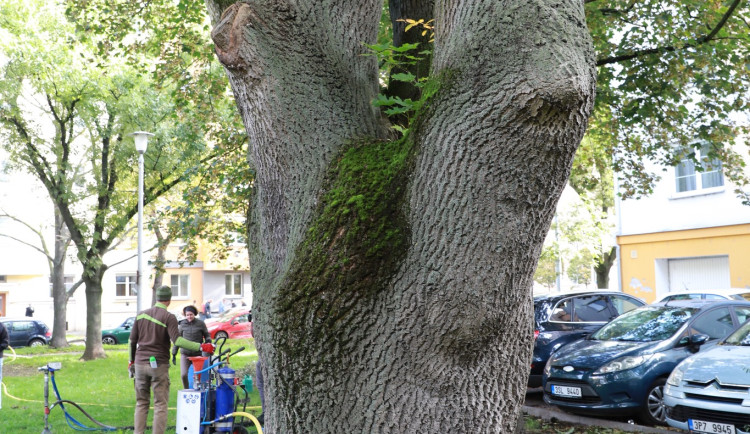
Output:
(710, 391)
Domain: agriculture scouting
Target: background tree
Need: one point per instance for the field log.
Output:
(211, 206)
(546, 268)
(579, 269)
(56, 258)
(671, 76)
(65, 111)
(592, 177)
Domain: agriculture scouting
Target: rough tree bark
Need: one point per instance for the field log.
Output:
(393, 278)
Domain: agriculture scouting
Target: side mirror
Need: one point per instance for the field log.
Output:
(697, 340)
(126, 327)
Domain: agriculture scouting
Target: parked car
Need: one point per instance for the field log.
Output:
(621, 369)
(741, 294)
(707, 392)
(27, 332)
(233, 324)
(560, 319)
(119, 334)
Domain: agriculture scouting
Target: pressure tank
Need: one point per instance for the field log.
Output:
(225, 398)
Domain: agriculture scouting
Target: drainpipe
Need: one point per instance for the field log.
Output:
(618, 227)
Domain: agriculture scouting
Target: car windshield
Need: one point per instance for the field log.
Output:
(646, 324)
(740, 337)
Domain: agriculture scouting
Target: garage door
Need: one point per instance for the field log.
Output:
(699, 273)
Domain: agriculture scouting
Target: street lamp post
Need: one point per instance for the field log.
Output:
(141, 142)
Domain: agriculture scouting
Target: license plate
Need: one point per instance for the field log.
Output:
(566, 391)
(710, 427)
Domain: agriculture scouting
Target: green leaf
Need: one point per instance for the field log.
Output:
(408, 78)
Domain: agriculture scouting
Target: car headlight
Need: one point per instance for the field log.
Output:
(621, 364)
(548, 367)
(675, 378)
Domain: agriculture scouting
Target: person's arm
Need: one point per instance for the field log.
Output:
(133, 340)
(174, 336)
(180, 331)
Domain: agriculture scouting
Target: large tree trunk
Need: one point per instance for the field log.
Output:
(393, 279)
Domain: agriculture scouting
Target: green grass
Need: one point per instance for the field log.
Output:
(101, 387)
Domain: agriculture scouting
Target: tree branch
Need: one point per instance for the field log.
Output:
(671, 48)
(26, 243)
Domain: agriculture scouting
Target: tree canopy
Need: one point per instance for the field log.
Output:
(671, 74)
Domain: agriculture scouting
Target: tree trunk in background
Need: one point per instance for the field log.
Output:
(92, 278)
(159, 261)
(393, 279)
(401, 10)
(59, 292)
(602, 267)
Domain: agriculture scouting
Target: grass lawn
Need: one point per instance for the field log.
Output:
(101, 387)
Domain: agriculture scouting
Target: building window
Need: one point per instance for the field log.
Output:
(125, 285)
(233, 284)
(688, 179)
(180, 285)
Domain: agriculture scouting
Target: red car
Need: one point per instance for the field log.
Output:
(232, 324)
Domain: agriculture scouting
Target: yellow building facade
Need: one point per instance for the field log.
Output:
(650, 262)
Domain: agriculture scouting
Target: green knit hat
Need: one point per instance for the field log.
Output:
(164, 293)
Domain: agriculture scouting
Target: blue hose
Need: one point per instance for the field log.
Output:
(70, 419)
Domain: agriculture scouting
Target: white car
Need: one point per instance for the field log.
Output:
(709, 392)
(708, 294)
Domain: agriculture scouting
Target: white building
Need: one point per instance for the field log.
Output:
(691, 233)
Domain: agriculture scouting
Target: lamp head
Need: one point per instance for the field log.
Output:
(141, 140)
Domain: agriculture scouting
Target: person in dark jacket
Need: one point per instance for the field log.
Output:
(4, 343)
(192, 329)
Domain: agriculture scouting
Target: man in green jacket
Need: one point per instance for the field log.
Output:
(153, 331)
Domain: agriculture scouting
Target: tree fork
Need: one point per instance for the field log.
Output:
(433, 333)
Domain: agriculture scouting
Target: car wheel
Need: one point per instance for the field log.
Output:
(220, 335)
(109, 340)
(654, 411)
(36, 343)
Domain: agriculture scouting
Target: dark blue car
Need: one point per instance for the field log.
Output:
(562, 318)
(24, 332)
(621, 369)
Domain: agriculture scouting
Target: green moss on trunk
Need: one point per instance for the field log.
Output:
(355, 242)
